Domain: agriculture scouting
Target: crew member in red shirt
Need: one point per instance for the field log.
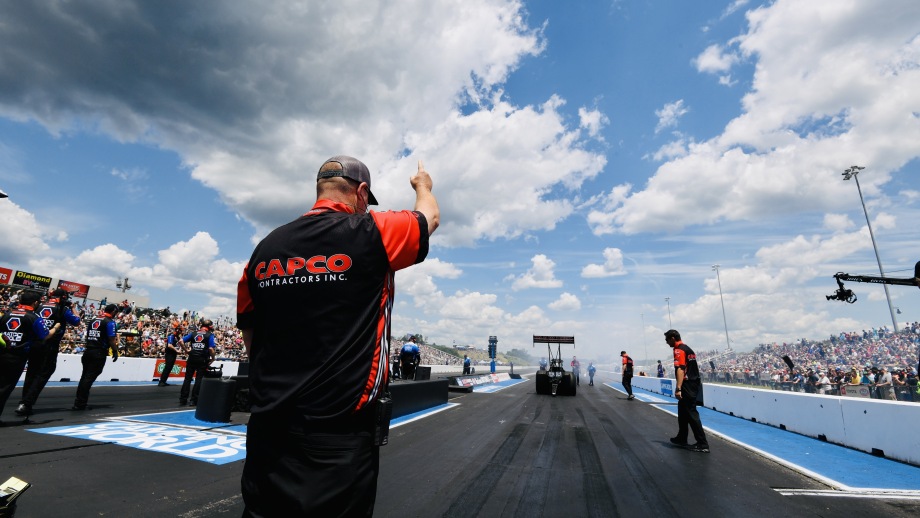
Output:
(688, 388)
(627, 374)
(314, 308)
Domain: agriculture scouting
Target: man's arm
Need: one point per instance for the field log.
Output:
(247, 340)
(679, 374)
(113, 344)
(425, 202)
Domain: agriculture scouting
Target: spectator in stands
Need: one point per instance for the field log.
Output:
(823, 384)
(883, 385)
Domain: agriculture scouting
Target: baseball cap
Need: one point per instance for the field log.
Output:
(347, 167)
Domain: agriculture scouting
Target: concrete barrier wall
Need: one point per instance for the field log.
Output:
(480, 369)
(125, 369)
(142, 369)
(870, 425)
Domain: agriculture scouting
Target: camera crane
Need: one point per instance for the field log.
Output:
(848, 296)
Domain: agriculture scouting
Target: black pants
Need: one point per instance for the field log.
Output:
(12, 361)
(168, 363)
(93, 361)
(295, 469)
(41, 367)
(408, 369)
(196, 369)
(687, 415)
(627, 383)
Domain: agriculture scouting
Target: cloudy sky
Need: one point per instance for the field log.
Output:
(592, 160)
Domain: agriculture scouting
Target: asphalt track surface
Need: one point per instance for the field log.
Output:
(499, 452)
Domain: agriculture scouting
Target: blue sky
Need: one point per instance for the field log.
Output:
(592, 159)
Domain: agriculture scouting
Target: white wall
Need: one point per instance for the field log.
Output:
(125, 369)
(859, 423)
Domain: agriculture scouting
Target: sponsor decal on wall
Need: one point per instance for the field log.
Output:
(178, 370)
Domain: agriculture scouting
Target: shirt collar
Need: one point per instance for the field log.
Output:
(326, 205)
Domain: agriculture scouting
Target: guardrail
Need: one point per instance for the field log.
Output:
(876, 426)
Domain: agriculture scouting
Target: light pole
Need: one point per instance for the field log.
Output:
(644, 345)
(668, 300)
(851, 173)
(724, 320)
(123, 286)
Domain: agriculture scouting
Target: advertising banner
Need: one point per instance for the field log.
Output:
(30, 280)
(77, 290)
(855, 391)
(5, 275)
(178, 370)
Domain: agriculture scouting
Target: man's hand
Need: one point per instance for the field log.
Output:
(114, 358)
(421, 179)
(425, 202)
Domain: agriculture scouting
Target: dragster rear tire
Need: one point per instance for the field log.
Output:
(543, 385)
(567, 387)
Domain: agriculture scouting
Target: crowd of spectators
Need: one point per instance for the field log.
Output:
(142, 332)
(880, 361)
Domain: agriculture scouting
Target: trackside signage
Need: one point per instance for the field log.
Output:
(543, 339)
(206, 446)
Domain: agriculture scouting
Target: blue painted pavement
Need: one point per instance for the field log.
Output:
(839, 466)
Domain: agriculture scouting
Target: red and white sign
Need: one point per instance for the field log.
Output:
(5, 275)
(77, 290)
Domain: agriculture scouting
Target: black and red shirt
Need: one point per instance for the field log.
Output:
(317, 294)
(685, 358)
(627, 365)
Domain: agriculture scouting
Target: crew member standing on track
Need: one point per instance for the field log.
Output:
(316, 377)
(201, 347)
(688, 387)
(101, 335)
(467, 364)
(170, 354)
(409, 357)
(660, 369)
(627, 374)
(22, 330)
(591, 370)
(57, 314)
(576, 370)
